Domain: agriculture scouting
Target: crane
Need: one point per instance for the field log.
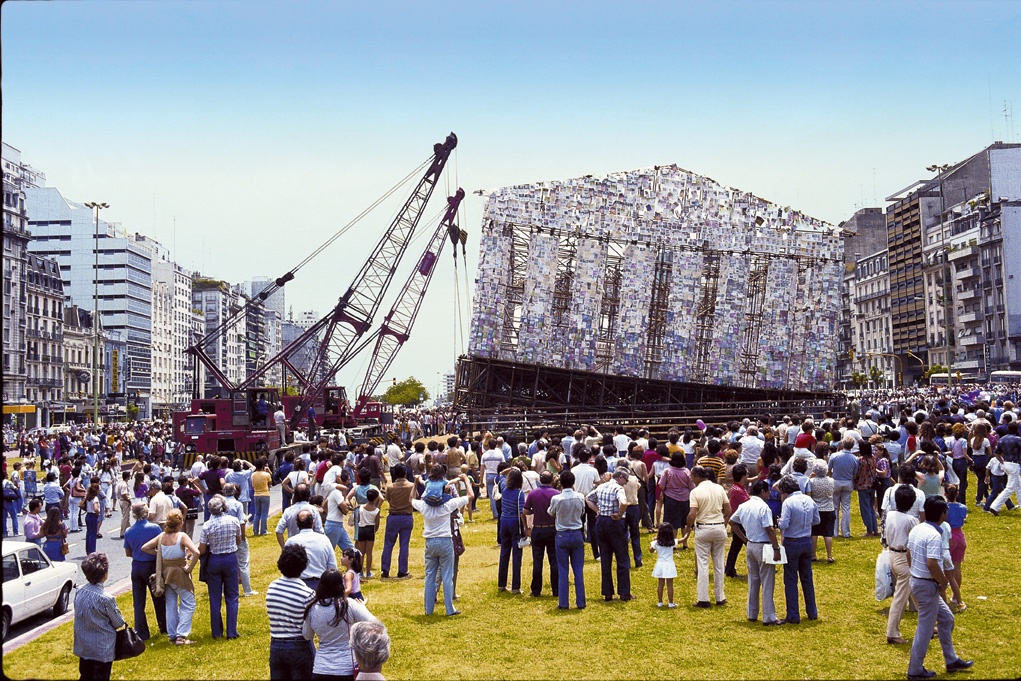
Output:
(396, 327)
(338, 333)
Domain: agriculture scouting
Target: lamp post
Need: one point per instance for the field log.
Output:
(95, 316)
(947, 291)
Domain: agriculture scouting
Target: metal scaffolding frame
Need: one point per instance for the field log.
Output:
(758, 270)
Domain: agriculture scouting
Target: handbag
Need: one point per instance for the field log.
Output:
(129, 644)
(64, 548)
(156, 580)
(456, 535)
(204, 567)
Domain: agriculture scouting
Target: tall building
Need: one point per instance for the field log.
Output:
(918, 221)
(871, 331)
(65, 230)
(273, 311)
(17, 177)
(219, 301)
(966, 271)
(44, 382)
(864, 235)
(79, 345)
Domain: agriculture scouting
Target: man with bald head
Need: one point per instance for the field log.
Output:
(317, 545)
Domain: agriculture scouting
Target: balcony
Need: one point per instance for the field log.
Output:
(968, 365)
(964, 252)
(968, 273)
(968, 294)
(970, 317)
(969, 341)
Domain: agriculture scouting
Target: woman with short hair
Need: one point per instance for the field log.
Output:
(178, 556)
(329, 617)
(96, 621)
(370, 644)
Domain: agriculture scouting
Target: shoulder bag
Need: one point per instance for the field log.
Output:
(156, 585)
(455, 533)
(129, 644)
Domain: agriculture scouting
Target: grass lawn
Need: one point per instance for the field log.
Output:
(507, 636)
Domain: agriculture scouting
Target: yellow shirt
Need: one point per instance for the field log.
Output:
(709, 497)
(260, 483)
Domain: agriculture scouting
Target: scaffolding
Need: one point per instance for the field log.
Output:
(705, 317)
(758, 267)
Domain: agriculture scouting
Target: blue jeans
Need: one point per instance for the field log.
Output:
(799, 565)
(140, 572)
(571, 557)
(509, 535)
(180, 609)
(11, 508)
(337, 534)
(439, 558)
(261, 514)
(285, 499)
(91, 530)
(291, 659)
(205, 506)
(398, 528)
(223, 576)
(866, 504)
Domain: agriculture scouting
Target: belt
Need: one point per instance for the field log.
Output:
(393, 514)
(288, 638)
(897, 550)
(701, 524)
(535, 526)
(926, 579)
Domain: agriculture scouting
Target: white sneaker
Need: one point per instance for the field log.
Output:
(672, 605)
(659, 605)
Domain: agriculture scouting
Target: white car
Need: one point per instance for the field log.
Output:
(32, 583)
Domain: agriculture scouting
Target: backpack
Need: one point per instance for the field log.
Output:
(10, 493)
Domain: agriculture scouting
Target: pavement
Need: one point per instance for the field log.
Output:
(117, 583)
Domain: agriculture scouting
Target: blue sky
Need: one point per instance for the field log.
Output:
(243, 133)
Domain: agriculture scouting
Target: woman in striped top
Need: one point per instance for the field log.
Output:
(96, 620)
(290, 655)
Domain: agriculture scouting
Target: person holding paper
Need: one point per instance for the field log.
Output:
(797, 516)
(752, 523)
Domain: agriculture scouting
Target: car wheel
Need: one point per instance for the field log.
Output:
(60, 607)
(6, 624)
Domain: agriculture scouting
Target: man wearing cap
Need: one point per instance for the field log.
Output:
(709, 514)
(609, 501)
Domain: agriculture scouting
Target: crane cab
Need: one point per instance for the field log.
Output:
(232, 426)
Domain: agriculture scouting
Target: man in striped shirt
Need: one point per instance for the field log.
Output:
(291, 656)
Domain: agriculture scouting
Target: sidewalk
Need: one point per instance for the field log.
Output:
(116, 589)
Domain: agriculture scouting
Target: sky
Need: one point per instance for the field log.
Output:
(241, 134)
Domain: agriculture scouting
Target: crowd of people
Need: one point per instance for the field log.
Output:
(771, 487)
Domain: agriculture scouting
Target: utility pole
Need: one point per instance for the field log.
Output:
(95, 315)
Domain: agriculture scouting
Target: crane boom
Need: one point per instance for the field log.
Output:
(396, 327)
(352, 316)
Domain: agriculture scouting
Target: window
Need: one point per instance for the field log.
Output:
(10, 568)
(32, 560)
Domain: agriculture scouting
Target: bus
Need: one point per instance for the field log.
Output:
(959, 377)
(1005, 377)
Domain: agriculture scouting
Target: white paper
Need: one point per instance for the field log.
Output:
(767, 555)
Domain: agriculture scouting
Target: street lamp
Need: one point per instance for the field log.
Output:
(95, 316)
(947, 291)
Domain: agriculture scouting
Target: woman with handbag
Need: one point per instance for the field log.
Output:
(176, 556)
(55, 532)
(510, 532)
(329, 617)
(96, 620)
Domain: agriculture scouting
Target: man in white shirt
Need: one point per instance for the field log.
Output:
(752, 523)
(925, 545)
(199, 467)
(751, 448)
(280, 420)
(907, 476)
(439, 547)
(585, 478)
(317, 546)
(620, 441)
(897, 527)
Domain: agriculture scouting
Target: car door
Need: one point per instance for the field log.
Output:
(38, 579)
(14, 592)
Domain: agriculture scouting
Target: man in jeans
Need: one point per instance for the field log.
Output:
(439, 548)
(567, 509)
(797, 516)
(143, 565)
(1008, 453)
(843, 468)
(399, 522)
(291, 655)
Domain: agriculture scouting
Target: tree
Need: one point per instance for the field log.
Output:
(408, 392)
(858, 379)
(877, 375)
(935, 369)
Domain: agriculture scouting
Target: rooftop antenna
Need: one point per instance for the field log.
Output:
(1008, 118)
